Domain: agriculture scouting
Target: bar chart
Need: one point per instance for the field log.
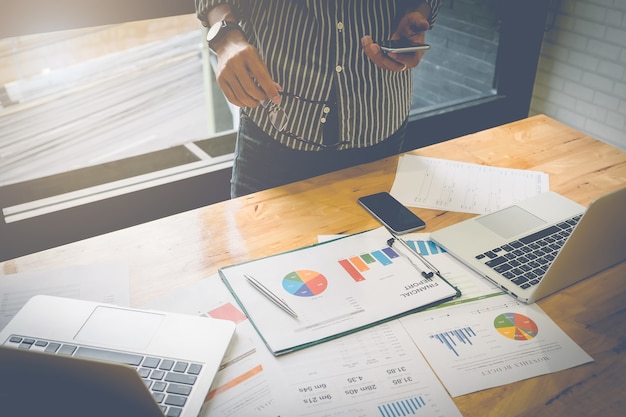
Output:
(425, 247)
(356, 266)
(403, 407)
(452, 339)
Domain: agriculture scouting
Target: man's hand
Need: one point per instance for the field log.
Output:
(412, 26)
(241, 73)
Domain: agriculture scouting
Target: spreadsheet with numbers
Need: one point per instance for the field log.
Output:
(464, 187)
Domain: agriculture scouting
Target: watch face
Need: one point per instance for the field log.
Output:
(213, 31)
(217, 30)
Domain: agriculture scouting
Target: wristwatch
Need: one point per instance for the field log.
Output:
(219, 30)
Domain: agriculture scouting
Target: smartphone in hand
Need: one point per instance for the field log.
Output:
(391, 213)
(402, 46)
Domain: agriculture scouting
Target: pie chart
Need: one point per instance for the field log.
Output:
(516, 326)
(305, 283)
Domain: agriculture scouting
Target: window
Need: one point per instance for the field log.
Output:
(84, 97)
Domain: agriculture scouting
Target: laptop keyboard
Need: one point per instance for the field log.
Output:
(525, 261)
(169, 380)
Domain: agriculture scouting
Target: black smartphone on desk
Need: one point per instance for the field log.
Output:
(391, 213)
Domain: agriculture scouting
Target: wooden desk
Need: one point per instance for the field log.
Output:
(167, 253)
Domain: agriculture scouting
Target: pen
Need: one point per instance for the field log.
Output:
(270, 295)
(406, 245)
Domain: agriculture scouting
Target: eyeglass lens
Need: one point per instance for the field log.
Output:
(278, 119)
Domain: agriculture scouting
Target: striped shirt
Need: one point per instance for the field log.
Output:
(312, 48)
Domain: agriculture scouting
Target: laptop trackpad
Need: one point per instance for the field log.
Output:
(510, 222)
(119, 327)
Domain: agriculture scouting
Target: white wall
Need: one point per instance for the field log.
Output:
(581, 78)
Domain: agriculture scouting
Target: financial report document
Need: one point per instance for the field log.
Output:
(443, 184)
(491, 342)
(335, 288)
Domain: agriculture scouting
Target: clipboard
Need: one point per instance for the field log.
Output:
(336, 288)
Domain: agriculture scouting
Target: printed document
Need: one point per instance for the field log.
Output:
(335, 288)
(491, 342)
(463, 187)
(103, 282)
(485, 338)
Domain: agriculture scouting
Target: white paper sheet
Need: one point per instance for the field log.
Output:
(491, 342)
(105, 282)
(335, 288)
(463, 187)
(375, 372)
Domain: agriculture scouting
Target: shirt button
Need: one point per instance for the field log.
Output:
(323, 120)
(340, 25)
(338, 68)
(326, 110)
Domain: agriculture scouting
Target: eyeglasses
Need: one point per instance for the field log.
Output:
(278, 119)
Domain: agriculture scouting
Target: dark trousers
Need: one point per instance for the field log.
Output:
(261, 162)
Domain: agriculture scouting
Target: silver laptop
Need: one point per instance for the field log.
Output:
(541, 245)
(61, 356)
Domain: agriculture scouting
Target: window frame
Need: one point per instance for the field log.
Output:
(521, 35)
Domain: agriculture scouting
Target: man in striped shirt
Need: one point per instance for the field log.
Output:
(316, 92)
